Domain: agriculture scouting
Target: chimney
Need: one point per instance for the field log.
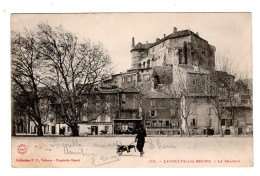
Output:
(146, 42)
(164, 35)
(197, 33)
(133, 42)
(157, 39)
(174, 29)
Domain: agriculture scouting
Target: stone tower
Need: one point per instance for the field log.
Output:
(138, 52)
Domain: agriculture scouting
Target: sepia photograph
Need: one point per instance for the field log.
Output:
(131, 90)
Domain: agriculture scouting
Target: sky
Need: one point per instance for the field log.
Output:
(230, 33)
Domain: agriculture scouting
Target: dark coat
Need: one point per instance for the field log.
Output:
(140, 138)
(141, 134)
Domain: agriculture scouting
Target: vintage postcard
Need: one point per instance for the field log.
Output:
(131, 90)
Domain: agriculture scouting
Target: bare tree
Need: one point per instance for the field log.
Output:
(25, 68)
(223, 95)
(225, 91)
(189, 102)
(225, 64)
(72, 68)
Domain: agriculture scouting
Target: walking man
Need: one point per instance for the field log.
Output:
(140, 138)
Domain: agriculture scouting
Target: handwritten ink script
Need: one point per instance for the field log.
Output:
(98, 154)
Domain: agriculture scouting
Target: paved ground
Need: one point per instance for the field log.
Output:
(159, 152)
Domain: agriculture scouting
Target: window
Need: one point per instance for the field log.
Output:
(124, 127)
(129, 78)
(203, 52)
(160, 123)
(226, 122)
(123, 79)
(123, 101)
(223, 122)
(48, 128)
(229, 122)
(68, 129)
(148, 123)
(153, 113)
(167, 123)
(154, 124)
(193, 122)
(106, 128)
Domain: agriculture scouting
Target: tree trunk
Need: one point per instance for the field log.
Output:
(39, 130)
(75, 131)
(187, 127)
(180, 127)
(220, 128)
(234, 122)
(235, 127)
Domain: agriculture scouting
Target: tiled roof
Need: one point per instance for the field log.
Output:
(177, 34)
(141, 46)
(173, 35)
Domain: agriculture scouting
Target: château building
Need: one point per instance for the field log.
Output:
(168, 89)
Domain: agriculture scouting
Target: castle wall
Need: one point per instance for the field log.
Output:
(201, 53)
(129, 80)
(191, 50)
(197, 83)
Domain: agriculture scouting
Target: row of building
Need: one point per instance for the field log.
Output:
(169, 89)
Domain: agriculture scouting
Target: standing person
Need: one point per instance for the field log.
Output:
(140, 138)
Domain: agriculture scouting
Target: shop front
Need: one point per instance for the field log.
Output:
(125, 126)
(95, 128)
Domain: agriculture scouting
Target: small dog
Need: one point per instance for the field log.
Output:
(123, 148)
